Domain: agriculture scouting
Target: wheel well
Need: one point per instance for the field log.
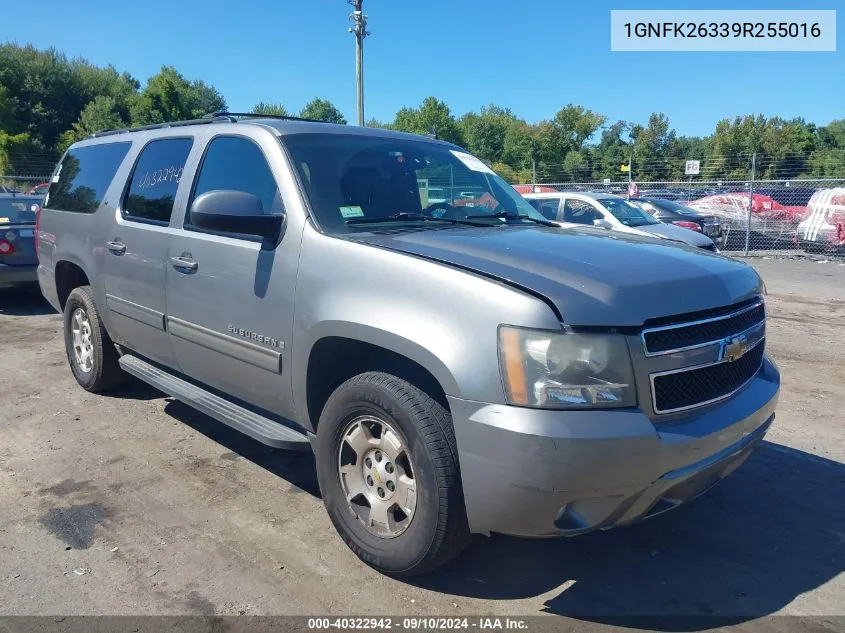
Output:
(335, 360)
(68, 277)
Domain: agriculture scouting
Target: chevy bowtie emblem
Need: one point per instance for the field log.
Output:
(734, 348)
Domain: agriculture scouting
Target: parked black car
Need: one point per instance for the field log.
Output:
(672, 212)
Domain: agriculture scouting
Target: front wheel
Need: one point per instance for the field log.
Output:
(387, 466)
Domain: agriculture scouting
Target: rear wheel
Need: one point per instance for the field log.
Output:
(388, 471)
(92, 356)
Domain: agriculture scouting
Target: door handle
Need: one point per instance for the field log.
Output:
(183, 263)
(117, 247)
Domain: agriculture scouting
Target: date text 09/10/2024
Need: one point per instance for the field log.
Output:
(420, 623)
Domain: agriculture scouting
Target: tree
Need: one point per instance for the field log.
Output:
(273, 109)
(577, 124)
(651, 145)
(99, 114)
(322, 110)
(42, 95)
(432, 116)
(168, 96)
(485, 132)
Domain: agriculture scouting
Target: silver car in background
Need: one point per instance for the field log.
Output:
(609, 211)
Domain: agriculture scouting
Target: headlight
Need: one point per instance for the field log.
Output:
(562, 370)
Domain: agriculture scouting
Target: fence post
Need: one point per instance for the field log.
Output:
(750, 201)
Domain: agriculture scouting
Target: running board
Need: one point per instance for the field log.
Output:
(247, 422)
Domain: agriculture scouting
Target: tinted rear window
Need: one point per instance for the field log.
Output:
(84, 176)
(18, 210)
(155, 180)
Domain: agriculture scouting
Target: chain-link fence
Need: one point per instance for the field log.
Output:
(31, 184)
(753, 215)
(781, 211)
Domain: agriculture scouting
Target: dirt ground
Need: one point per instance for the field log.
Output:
(134, 504)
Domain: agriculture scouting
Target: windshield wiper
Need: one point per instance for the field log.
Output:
(404, 216)
(507, 215)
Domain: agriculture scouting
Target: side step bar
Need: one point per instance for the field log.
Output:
(247, 422)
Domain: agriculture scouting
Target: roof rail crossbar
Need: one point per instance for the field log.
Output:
(215, 117)
(259, 115)
(158, 126)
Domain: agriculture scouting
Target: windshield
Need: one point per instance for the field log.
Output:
(349, 178)
(627, 213)
(18, 210)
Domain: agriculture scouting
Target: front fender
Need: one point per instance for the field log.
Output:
(443, 318)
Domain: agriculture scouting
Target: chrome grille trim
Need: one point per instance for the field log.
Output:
(685, 324)
(654, 375)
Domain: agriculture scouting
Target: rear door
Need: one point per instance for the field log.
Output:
(136, 250)
(230, 297)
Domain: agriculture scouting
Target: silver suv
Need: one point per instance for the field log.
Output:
(457, 367)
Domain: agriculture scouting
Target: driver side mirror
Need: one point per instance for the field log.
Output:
(228, 211)
(602, 223)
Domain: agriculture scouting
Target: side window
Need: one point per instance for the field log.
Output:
(548, 207)
(155, 179)
(237, 164)
(84, 175)
(579, 212)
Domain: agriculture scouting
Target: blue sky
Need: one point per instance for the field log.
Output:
(532, 56)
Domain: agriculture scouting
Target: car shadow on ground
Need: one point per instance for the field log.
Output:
(772, 531)
(295, 467)
(23, 301)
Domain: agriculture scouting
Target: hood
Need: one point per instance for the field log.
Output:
(678, 233)
(593, 277)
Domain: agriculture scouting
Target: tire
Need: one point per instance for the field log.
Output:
(100, 370)
(436, 530)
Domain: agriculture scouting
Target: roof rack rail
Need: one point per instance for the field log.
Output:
(259, 115)
(214, 117)
(211, 118)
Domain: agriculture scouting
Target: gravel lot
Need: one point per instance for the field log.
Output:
(134, 504)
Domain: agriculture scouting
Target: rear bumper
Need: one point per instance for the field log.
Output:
(14, 275)
(529, 472)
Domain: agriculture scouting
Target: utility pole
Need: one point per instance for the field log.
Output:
(359, 29)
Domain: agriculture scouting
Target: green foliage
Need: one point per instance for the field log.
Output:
(322, 110)
(432, 116)
(484, 133)
(48, 101)
(168, 96)
(272, 109)
(12, 145)
(100, 114)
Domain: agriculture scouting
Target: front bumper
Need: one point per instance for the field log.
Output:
(533, 472)
(14, 275)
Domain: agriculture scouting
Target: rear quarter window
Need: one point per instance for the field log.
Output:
(83, 177)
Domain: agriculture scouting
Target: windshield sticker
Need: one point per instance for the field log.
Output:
(351, 212)
(472, 162)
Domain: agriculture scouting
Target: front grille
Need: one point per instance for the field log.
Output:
(693, 387)
(677, 337)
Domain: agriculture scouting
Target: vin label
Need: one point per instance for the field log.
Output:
(723, 30)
